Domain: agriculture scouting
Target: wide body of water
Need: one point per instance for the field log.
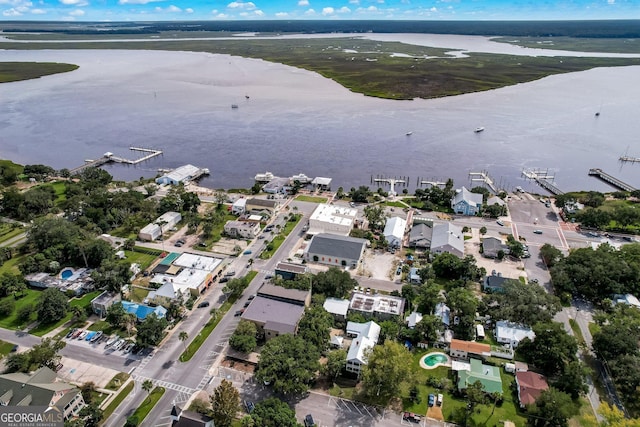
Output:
(297, 121)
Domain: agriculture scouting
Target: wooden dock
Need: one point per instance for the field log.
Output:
(629, 159)
(543, 179)
(484, 177)
(610, 179)
(109, 157)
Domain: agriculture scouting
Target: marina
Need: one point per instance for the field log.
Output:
(484, 177)
(610, 179)
(543, 179)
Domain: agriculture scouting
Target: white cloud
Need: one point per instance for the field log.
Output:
(221, 15)
(169, 9)
(310, 12)
(78, 3)
(354, 1)
(188, 10)
(77, 12)
(214, 11)
(344, 9)
(137, 1)
(281, 14)
(611, 1)
(241, 5)
(328, 11)
(39, 11)
(433, 9)
(303, 2)
(259, 13)
(11, 12)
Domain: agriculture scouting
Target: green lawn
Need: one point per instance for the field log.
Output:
(142, 256)
(577, 332)
(117, 401)
(312, 199)
(11, 266)
(397, 204)
(9, 231)
(138, 294)
(117, 381)
(147, 405)
(280, 238)
(107, 329)
(83, 302)
(5, 348)
(11, 321)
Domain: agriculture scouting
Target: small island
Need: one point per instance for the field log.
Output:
(16, 71)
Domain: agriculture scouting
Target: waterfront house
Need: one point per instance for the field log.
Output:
(420, 236)
(183, 174)
(264, 207)
(465, 202)
(394, 231)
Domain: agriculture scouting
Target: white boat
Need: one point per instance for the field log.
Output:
(409, 133)
(234, 106)
(479, 129)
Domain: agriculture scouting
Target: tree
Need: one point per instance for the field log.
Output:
(389, 330)
(616, 339)
(361, 194)
(463, 304)
(550, 254)
(43, 354)
(52, 305)
(428, 297)
(388, 365)
(288, 363)
(183, 336)
(147, 386)
(6, 307)
(315, 327)
(527, 304)
(572, 379)
(226, 403)
(244, 337)
(87, 390)
(551, 349)
(112, 275)
(375, 216)
(273, 412)
(334, 282)
(116, 315)
(427, 328)
(24, 313)
(336, 362)
(151, 331)
(79, 315)
(553, 408)
(235, 287)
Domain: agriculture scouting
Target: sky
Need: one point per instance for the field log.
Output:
(180, 10)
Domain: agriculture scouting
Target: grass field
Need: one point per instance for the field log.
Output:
(11, 321)
(142, 256)
(11, 265)
(83, 302)
(117, 381)
(117, 401)
(425, 72)
(9, 231)
(312, 199)
(5, 348)
(16, 71)
(147, 405)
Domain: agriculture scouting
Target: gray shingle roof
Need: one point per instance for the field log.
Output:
(337, 246)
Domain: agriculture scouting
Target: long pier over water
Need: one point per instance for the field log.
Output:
(109, 157)
(611, 180)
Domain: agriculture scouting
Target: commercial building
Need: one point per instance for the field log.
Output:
(465, 202)
(332, 219)
(512, 333)
(102, 302)
(339, 251)
(394, 231)
(183, 174)
(183, 275)
(365, 338)
(242, 229)
(379, 306)
(338, 307)
(289, 270)
(163, 223)
(40, 388)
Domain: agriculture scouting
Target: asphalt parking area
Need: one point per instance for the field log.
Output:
(356, 407)
(78, 372)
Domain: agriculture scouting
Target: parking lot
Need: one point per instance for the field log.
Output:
(105, 344)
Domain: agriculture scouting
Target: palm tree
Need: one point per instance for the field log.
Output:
(183, 336)
(147, 386)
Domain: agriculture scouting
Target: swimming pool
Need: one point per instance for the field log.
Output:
(433, 360)
(66, 273)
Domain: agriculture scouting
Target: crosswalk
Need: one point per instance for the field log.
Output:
(165, 384)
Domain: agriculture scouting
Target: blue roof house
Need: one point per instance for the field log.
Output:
(142, 311)
(466, 203)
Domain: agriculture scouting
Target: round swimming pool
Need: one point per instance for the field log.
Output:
(433, 360)
(66, 273)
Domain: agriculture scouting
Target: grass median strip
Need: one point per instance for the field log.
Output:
(117, 401)
(147, 405)
(273, 246)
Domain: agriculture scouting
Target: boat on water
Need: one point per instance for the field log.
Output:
(409, 133)
(479, 129)
(234, 106)
(597, 113)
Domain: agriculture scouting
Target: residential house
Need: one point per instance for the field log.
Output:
(495, 200)
(326, 218)
(413, 319)
(379, 306)
(627, 299)
(414, 277)
(465, 202)
(394, 231)
(40, 388)
(444, 313)
(77, 280)
(447, 237)
(264, 207)
(321, 183)
(495, 282)
(102, 302)
(338, 307)
(163, 223)
(114, 242)
(463, 349)
(142, 311)
(530, 385)
(366, 337)
(183, 418)
(420, 236)
(512, 333)
(242, 229)
(289, 270)
(183, 174)
(491, 246)
(239, 206)
(489, 377)
(335, 250)
(277, 185)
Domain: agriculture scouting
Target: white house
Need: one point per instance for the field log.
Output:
(466, 203)
(332, 219)
(163, 223)
(512, 333)
(413, 319)
(338, 307)
(366, 337)
(239, 206)
(183, 174)
(242, 229)
(394, 231)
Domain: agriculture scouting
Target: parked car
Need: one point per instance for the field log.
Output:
(238, 313)
(97, 336)
(249, 405)
(432, 399)
(203, 304)
(251, 297)
(230, 273)
(178, 244)
(268, 276)
(127, 348)
(439, 399)
(83, 335)
(71, 332)
(537, 231)
(247, 252)
(411, 417)
(76, 333)
(14, 348)
(246, 304)
(308, 421)
(182, 241)
(500, 223)
(223, 279)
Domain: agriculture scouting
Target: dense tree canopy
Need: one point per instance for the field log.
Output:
(52, 305)
(244, 337)
(553, 408)
(551, 349)
(288, 364)
(315, 327)
(225, 402)
(43, 354)
(527, 304)
(334, 282)
(449, 266)
(273, 412)
(151, 331)
(387, 367)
